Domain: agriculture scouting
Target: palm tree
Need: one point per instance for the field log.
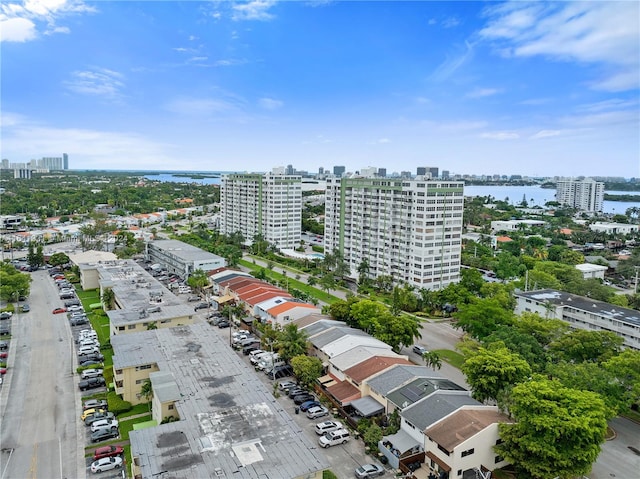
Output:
(291, 342)
(432, 359)
(198, 280)
(146, 391)
(108, 299)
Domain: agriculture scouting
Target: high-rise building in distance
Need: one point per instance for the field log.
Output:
(409, 229)
(339, 170)
(269, 205)
(585, 195)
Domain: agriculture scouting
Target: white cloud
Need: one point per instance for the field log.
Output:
(611, 104)
(270, 103)
(432, 21)
(483, 92)
(450, 22)
(97, 81)
(545, 134)
(17, 30)
(229, 62)
(600, 33)
(91, 148)
(453, 63)
(253, 10)
(201, 106)
(500, 135)
(23, 22)
(382, 141)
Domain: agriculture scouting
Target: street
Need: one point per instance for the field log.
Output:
(37, 401)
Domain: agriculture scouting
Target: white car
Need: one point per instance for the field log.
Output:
(106, 464)
(104, 424)
(91, 373)
(286, 385)
(88, 350)
(317, 411)
(339, 436)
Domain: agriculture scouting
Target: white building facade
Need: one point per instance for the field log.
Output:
(409, 229)
(585, 195)
(269, 205)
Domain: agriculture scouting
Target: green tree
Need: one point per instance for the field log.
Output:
(291, 342)
(557, 431)
(491, 371)
(58, 259)
(367, 314)
(146, 391)
(432, 359)
(198, 280)
(396, 331)
(372, 436)
(108, 299)
(327, 282)
(13, 283)
(581, 345)
(481, 318)
(471, 279)
(307, 369)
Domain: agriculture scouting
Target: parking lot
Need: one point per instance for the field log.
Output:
(344, 458)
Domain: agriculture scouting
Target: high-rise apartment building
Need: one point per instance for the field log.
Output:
(585, 195)
(409, 229)
(339, 170)
(269, 205)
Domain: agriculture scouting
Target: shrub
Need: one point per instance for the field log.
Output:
(116, 404)
(328, 475)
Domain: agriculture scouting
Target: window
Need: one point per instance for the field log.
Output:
(171, 407)
(131, 326)
(145, 366)
(468, 452)
(459, 472)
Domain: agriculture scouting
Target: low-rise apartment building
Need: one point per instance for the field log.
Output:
(582, 312)
(182, 258)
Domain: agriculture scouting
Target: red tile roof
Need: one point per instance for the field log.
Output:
(344, 392)
(371, 366)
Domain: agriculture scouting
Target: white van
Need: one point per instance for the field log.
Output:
(256, 358)
(267, 362)
(339, 436)
(183, 289)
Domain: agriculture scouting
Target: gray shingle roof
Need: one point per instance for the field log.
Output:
(397, 375)
(438, 405)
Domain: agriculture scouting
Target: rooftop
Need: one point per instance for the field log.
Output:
(437, 406)
(418, 389)
(231, 426)
(592, 306)
(184, 251)
(462, 425)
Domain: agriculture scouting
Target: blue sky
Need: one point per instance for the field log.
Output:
(471, 87)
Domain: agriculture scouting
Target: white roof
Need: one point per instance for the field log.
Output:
(347, 342)
(358, 354)
(588, 267)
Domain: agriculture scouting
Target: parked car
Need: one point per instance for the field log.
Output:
(25, 308)
(97, 417)
(294, 391)
(91, 383)
(4, 355)
(88, 350)
(300, 398)
(418, 349)
(369, 470)
(72, 302)
(59, 310)
(252, 347)
(4, 345)
(79, 321)
(106, 464)
(88, 412)
(201, 306)
(6, 315)
(286, 385)
(223, 324)
(327, 426)
(305, 406)
(91, 363)
(281, 372)
(339, 436)
(317, 411)
(5, 330)
(75, 307)
(90, 357)
(104, 434)
(94, 403)
(193, 298)
(107, 451)
(91, 373)
(104, 424)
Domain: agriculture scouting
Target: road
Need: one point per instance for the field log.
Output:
(37, 401)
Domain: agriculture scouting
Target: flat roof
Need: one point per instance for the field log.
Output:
(184, 251)
(230, 424)
(600, 308)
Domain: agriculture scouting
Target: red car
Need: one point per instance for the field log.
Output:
(4, 354)
(3, 370)
(59, 310)
(107, 451)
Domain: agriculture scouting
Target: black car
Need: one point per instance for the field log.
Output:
(223, 324)
(104, 434)
(72, 302)
(300, 398)
(5, 330)
(4, 345)
(201, 306)
(90, 363)
(252, 347)
(91, 383)
(91, 357)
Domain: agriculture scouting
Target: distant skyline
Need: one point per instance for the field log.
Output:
(538, 89)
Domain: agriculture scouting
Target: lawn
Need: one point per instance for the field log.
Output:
(453, 358)
(127, 426)
(135, 410)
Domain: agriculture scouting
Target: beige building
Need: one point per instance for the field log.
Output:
(462, 443)
(165, 395)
